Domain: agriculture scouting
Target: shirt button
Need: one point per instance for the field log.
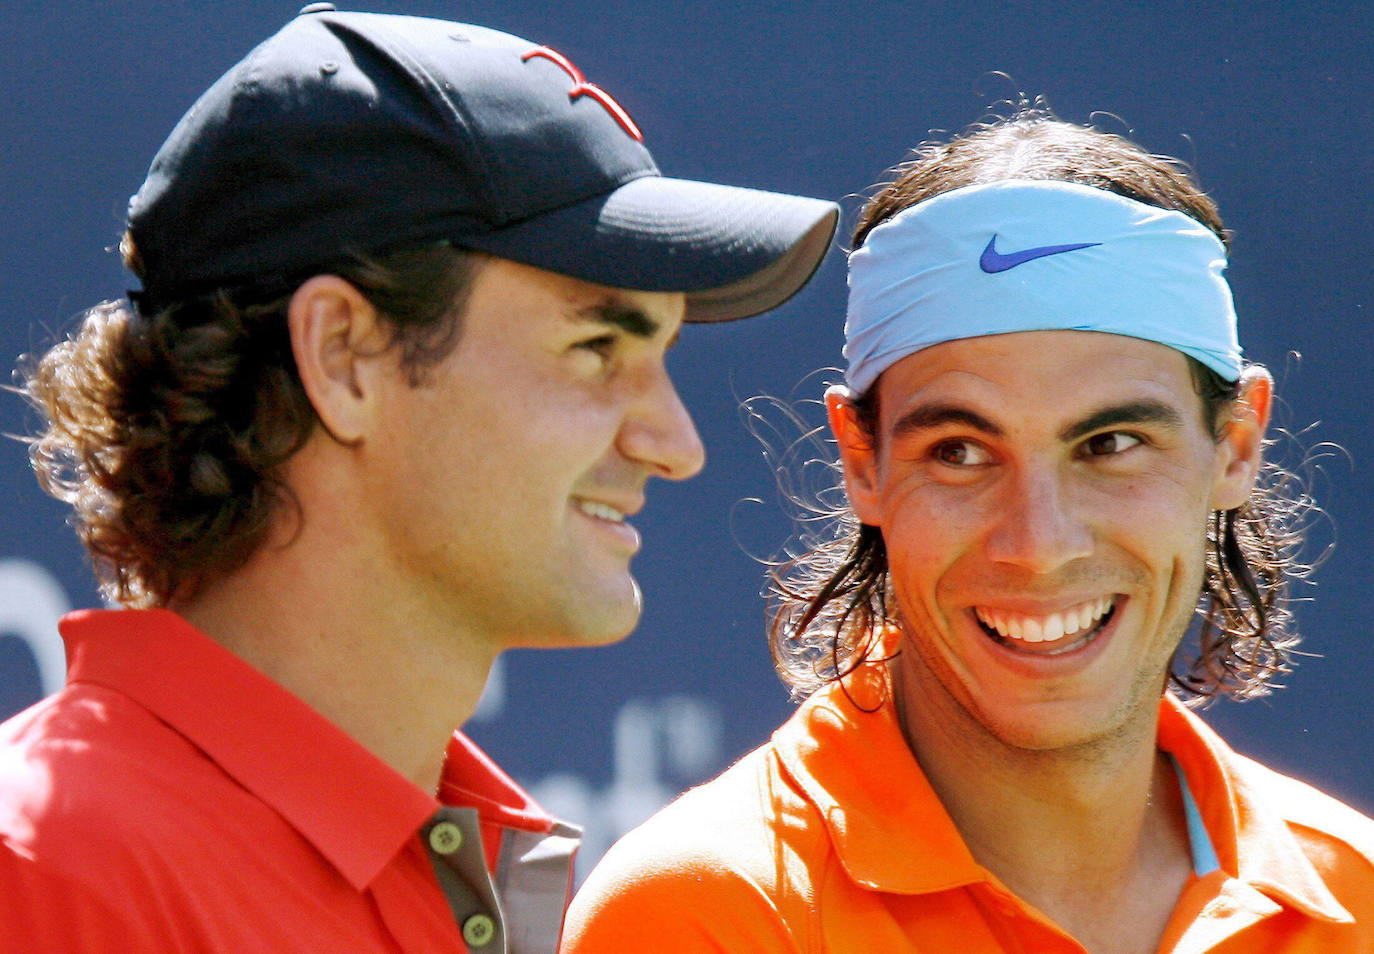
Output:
(446, 838)
(478, 930)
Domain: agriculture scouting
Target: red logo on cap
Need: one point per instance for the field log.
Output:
(583, 88)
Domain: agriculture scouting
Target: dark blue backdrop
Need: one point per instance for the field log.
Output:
(1268, 100)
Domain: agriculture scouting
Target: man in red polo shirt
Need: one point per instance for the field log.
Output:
(392, 386)
(1050, 448)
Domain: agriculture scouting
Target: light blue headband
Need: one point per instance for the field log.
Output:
(1021, 255)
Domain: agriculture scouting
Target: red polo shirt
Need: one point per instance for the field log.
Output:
(831, 839)
(173, 798)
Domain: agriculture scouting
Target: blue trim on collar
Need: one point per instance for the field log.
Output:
(1199, 841)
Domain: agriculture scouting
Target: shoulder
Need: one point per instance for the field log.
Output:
(726, 866)
(1335, 838)
(89, 751)
(72, 756)
(75, 798)
(731, 828)
(98, 794)
(1308, 811)
(1273, 810)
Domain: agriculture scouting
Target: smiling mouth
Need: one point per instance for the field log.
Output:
(1050, 635)
(611, 522)
(598, 510)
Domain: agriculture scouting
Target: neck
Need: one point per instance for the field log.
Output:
(1047, 822)
(321, 616)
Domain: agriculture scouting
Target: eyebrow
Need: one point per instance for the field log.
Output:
(1131, 412)
(929, 416)
(935, 415)
(627, 318)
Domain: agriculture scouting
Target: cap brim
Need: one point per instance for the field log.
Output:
(735, 252)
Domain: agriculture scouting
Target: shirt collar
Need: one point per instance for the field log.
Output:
(356, 810)
(847, 754)
(472, 780)
(1252, 839)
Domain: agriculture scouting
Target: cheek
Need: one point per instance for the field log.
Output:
(1159, 538)
(1163, 513)
(925, 535)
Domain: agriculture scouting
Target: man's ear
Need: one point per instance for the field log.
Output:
(857, 454)
(1242, 440)
(336, 337)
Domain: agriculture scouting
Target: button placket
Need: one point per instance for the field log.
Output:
(445, 838)
(478, 930)
(454, 844)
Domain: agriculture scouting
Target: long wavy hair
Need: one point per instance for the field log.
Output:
(832, 599)
(166, 432)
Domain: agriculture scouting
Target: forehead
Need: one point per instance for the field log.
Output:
(1049, 375)
(527, 297)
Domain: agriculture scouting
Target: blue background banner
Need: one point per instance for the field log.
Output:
(1268, 100)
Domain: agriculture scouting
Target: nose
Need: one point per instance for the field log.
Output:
(659, 432)
(1037, 525)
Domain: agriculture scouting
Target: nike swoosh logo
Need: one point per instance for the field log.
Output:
(993, 261)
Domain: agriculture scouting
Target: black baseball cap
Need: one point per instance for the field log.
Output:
(363, 132)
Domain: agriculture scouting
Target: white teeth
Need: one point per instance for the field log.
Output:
(1035, 629)
(600, 510)
(1054, 627)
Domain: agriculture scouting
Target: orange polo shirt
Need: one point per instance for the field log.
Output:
(172, 798)
(830, 839)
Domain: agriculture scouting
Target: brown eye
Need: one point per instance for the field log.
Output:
(959, 453)
(1108, 443)
(602, 345)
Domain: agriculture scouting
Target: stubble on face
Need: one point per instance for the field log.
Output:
(922, 673)
(508, 478)
(1132, 527)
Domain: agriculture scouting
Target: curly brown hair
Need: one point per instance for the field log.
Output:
(166, 432)
(832, 600)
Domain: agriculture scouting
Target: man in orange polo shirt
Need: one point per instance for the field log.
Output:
(1051, 450)
(392, 386)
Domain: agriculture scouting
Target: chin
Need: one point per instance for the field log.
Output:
(605, 632)
(1053, 726)
(589, 621)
